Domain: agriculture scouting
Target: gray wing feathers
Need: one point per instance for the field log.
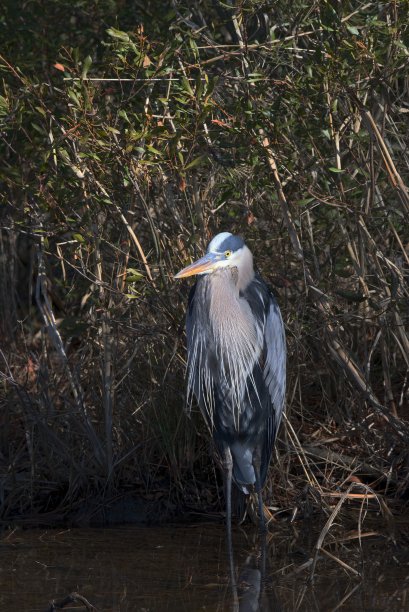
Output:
(275, 360)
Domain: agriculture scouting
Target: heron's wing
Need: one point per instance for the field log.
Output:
(275, 358)
(272, 361)
(274, 374)
(267, 318)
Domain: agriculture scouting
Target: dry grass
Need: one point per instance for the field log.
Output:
(299, 143)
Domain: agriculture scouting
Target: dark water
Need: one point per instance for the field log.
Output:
(187, 568)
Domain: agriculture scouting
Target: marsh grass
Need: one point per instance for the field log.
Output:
(124, 152)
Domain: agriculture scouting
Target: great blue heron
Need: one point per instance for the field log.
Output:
(236, 362)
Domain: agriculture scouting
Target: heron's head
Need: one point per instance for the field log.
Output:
(224, 251)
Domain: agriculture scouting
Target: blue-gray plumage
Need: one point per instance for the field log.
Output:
(236, 361)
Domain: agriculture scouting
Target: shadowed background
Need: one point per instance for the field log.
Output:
(131, 133)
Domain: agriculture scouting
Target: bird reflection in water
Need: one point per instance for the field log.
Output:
(252, 589)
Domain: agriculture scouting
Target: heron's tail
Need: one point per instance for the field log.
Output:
(243, 470)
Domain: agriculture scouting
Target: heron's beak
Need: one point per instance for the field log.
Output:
(204, 264)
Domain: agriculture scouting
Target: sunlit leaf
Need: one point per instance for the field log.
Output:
(78, 237)
(86, 66)
(118, 34)
(195, 162)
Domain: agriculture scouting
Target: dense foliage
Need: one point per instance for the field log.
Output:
(131, 132)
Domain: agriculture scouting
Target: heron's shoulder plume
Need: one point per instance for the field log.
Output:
(224, 342)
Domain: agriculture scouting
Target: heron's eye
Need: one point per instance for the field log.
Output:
(227, 254)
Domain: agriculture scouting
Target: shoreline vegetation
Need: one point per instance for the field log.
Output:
(130, 134)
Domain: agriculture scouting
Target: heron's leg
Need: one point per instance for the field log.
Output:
(256, 466)
(228, 475)
(263, 555)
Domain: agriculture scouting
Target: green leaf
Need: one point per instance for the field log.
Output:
(118, 34)
(255, 76)
(86, 66)
(122, 113)
(194, 48)
(111, 129)
(305, 201)
(195, 162)
(37, 128)
(4, 105)
(153, 150)
(133, 275)
(353, 30)
(73, 96)
(211, 83)
(186, 86)
(336, 170)
(78, 237)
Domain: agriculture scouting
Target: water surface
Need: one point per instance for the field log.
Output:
(182, 568)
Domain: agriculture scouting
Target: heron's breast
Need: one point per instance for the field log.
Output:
(231, 319)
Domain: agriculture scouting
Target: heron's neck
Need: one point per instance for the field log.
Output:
(246, 270)
(229, 313)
